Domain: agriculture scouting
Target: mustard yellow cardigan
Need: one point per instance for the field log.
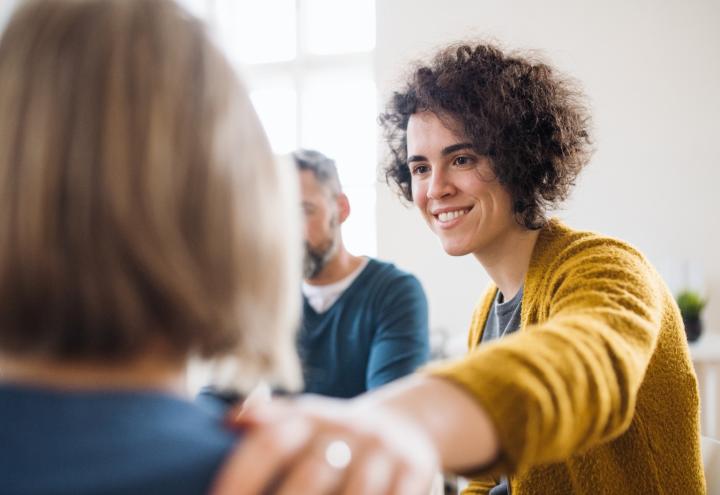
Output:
(596, 393)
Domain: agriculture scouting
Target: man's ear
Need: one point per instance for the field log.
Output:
(343, 205)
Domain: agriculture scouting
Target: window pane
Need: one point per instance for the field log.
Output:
(198, 8)
(359, 229)
(335, 26)
(277, 109)
(257, 32)
(339, 119)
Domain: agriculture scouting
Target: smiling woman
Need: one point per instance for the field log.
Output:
(578, 358)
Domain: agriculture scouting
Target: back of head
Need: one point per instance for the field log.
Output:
(139, 199)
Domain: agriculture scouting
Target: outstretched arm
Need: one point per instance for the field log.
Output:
(397, 435)
(564, 385)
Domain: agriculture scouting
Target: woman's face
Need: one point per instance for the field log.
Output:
(455, 188)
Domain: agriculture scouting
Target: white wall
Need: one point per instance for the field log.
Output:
(651, 70)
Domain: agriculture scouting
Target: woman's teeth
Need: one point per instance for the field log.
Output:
(451, 215)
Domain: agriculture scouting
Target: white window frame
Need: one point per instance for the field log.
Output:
(262, 75)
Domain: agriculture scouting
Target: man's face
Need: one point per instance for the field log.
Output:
(322, 224)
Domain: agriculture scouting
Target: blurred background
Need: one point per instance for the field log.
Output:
(319, 72)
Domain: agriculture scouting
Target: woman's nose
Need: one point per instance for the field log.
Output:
(440, 186)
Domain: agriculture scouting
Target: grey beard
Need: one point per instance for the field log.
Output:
(313, 263)
(316, 259)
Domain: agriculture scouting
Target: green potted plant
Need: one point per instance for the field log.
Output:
(691, 305)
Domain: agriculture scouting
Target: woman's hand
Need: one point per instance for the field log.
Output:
(313, 445)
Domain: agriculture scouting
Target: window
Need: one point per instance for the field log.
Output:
(308, 67)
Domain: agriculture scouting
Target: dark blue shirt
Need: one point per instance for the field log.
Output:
(376, 332)
(81, 443)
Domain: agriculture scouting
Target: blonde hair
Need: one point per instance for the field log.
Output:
(139, 198)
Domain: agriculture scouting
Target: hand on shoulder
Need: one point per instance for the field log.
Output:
(318, 445)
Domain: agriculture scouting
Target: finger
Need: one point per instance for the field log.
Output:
(411, 482)
(371, 474)
(257, 413)
(261, 458)
(259, 395)
(230, 419)
(311, 475)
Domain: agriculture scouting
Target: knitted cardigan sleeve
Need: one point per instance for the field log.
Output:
(481, 486)
(569, 379)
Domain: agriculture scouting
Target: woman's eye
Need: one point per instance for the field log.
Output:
(463, 160)
(420, 169)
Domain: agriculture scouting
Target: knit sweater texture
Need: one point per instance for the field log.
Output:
(376, 332)
(596, 393)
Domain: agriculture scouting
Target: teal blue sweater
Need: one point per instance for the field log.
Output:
(375, 332)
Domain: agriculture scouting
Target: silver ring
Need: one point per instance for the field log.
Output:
(338, 454)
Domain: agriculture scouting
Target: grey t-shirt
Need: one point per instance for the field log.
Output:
(503, 319)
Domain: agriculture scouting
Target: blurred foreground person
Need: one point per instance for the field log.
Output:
(579, 379)
(142, 223)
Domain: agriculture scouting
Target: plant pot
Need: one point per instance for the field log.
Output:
(693, 327)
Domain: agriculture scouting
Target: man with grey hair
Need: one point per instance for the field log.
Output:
(365, 322)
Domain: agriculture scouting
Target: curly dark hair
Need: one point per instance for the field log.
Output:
(530, 121)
